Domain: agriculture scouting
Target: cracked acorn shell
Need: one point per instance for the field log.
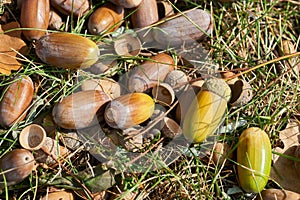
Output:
(254, 155)
(206, 112)
(129, 110)
(79, 110)
(16, 165)
(107, 18)
(67, 50)
(149, 73)
(15, 101)
(34, 14)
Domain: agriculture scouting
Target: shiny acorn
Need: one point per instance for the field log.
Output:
(129, 110)
(145, 14)
(79, 110)
(16, 165)
(107, 18)
(16, 100)
(149, 73)
(69, 7)
(127, 3)
(207, 110)
(67, 50)
(35, 15)
(254, 158)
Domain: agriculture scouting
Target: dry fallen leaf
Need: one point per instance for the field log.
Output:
(283, 170)
(9, 48)
(11, 29)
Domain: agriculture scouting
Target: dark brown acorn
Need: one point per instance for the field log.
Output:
(145, 14)
(15, 101)
(16, 165)
(35, 15)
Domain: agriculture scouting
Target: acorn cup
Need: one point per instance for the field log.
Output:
(16, 100)
(67, 50)
(32, 137)
(71, 7)
(163, 94)
(149, 73)
(165, 9)
(145, 14)
(107, 18)
(80, 110)
(127, 45)
(171, 128)
(177, 80)
(207, 110)
(129, 110)
(55, 20)
(35, 15)
(183, 28)
(16, 165)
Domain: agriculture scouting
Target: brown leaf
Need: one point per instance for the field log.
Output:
(283, 170)
(9, 29)
(8, 53)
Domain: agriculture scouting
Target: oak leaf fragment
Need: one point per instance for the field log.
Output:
(283, 170)
(9, 50)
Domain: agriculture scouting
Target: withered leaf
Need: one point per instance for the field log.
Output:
(9, 48)
(11, 29)
(283, 170)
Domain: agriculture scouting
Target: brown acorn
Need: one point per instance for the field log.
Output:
(15, 101)
(145, 14)
(79, 110)
(129, 110)
(183, 28)
(55, 21)
(67, 50)
(35, 15)
(150, 73)
(107, 18)
(16, 165)
(127, 3)
(69, 7)
(59, 195)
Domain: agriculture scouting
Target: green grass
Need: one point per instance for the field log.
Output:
(247, 34)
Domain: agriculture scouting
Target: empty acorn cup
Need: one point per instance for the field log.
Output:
(32, 137)
(164, 94)
(127, 45)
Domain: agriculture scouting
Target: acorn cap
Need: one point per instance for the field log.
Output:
(217, 86)
(127, 45)
(32, 137)
(171, 129)
(241, 93)
(164, 94)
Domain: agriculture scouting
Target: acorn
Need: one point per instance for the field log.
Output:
(145, 14)
(67, 50)
(126, 3)
(16, 165)
(107, 18)
(59, 195)
(254, 158)
(207, 110)
(129, 110)
(79, 110)
(35, 15)
(183, 28)
(278, 194)
(149, 73)
(107, 85)
(15, 101)
(71, 7)
(55, 20)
